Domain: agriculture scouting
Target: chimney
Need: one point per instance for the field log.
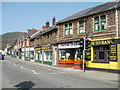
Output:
(47, 24)
(43, 27)
(53, 21)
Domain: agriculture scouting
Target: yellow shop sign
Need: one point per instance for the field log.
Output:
(104, 42)
(37, 49)
(46, 47)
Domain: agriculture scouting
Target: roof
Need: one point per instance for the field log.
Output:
(35, 34)
(49, 30)
(90, 11)
(41, 32)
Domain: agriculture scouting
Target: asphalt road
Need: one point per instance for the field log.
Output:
(22, 74)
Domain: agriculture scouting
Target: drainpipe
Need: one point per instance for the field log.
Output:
(116, 20)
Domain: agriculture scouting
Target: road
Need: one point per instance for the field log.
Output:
(22, 74)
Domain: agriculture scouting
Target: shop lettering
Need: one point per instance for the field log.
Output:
(105, 42)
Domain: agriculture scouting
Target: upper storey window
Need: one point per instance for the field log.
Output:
(81, 27)
(68, 31)
(100, 23)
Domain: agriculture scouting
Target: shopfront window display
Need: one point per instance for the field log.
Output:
(101, 53)
(68, 53)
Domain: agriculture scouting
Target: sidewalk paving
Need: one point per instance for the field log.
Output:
(97, 75)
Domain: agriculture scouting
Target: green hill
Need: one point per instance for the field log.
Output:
(8, 38)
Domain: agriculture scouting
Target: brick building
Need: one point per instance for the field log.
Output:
(101, 25)
(44, 43)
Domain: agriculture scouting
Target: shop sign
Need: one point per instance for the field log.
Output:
(47, 47)
(113, 53)
(37, 49)
(104, 42)
(27, 49)
(69, 45)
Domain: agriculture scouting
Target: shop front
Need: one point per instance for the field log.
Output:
(105, 54)
(28, 53)
(69, 55)
(47, 54)
(38, 54)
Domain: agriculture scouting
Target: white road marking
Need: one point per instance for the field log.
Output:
(34, 72)
(21, 66)
(14, 64)
(46, 73)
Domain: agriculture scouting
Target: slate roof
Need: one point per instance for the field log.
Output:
(90, 11)
(49, 30)
(41, 32)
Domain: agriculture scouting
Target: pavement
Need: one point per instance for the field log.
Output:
(101, 75)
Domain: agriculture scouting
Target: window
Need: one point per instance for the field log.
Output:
(40, 40)
(56, 34)
(49, 37)
(101, 53)
(68, 29)
(62, 54)
(103, 22)
(81, 27)
(100, 23)
(48, 55)
(97, 27)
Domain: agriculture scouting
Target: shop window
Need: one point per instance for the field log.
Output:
(81, 27)
(69, 53)
(100, 23)
(101, 53)
(62, 54)
(68, 29)
(48, 55)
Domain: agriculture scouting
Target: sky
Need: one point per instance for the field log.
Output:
(21, 16)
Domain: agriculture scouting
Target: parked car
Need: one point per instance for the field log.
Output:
(2, 57)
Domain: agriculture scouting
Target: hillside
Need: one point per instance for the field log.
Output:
(8, 38)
